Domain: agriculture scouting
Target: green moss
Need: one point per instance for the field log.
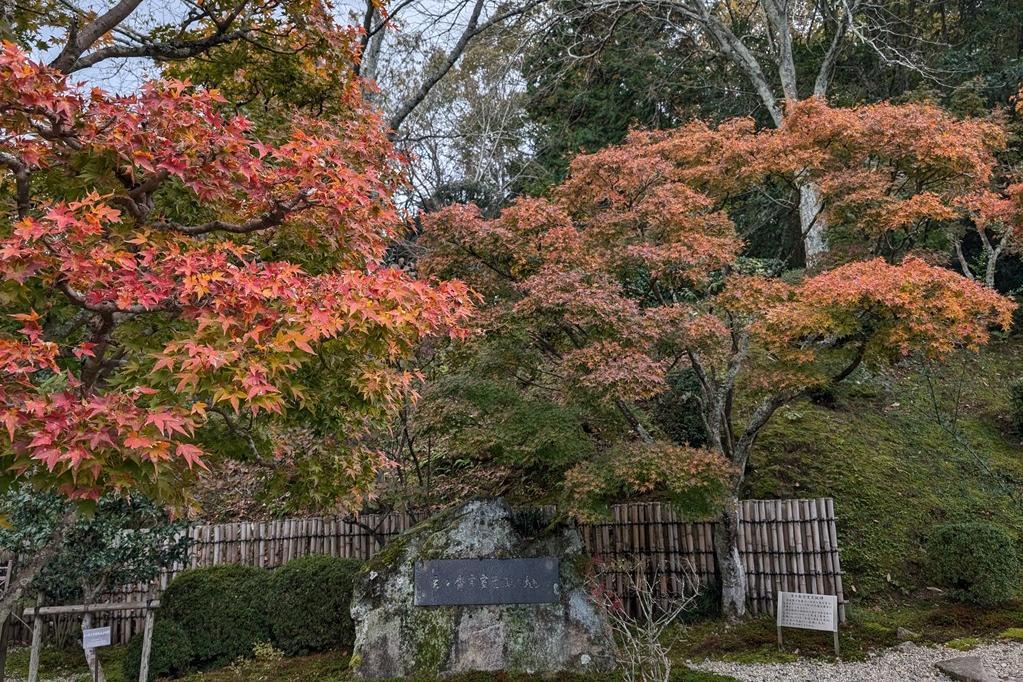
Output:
(529, 632)
(325, 667)
(1011, 633)
(427, 638)
(690, 675)
(878, 630)
(67, 663)
(868, 630)
(963, 643)
(892, 469)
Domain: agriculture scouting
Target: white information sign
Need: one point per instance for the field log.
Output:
(808, 612)
(95, 637)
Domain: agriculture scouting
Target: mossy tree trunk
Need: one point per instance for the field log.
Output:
(730, 570)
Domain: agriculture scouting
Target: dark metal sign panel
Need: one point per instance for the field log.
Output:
(487, 581)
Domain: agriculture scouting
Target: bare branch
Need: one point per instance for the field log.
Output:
(81, 40)
(272, 218)
(472, 29)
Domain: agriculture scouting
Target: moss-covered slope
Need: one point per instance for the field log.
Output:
(877, 446)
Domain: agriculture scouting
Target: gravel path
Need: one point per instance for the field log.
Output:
(904, 663)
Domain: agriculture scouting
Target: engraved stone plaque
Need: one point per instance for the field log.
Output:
(808, 611)
(487, 581)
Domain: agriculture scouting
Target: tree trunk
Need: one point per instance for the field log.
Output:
(812, 223)
(5, 642)
(990, 269)
(28, 570)
(730, 570)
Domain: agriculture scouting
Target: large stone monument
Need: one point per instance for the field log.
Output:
(478, 588)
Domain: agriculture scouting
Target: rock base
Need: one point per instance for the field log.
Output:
(966, 669)
(396, 638)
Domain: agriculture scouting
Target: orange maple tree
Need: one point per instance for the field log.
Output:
(632, 270)
(151, 250)
(893, 178)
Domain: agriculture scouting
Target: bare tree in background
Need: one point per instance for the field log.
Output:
(760, 38)
(411, 45)
(448, 82)
(471, 135)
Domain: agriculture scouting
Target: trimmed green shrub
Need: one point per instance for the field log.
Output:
(311, 599)
(222, 608)
(977, 561)
(170, 655)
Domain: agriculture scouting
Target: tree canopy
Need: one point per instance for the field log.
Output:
(151, 277)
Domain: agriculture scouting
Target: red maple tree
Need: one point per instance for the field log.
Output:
(632, 270)
(150, 251)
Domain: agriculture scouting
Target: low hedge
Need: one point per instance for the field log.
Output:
(222, 608)
(977, 561)
(310, 601)
(210, 616)
(169, 655)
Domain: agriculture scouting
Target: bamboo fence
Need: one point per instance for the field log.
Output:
(788, 545)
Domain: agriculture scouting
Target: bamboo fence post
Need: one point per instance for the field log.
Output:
(797, 534)
(605, 535)
(751, 559)
(772, 517)
(833, 536)
(618, 554)
(674, 552)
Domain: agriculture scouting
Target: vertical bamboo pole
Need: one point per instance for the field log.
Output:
(763, 531)
(797, 533)
(619, 554)
(815, 542)
(833, 537)
(707, 531)
(747, 551)
(674, 554)
(776, 548)
(606, 553)
(829, 567)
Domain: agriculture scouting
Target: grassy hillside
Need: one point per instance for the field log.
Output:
(894, 467)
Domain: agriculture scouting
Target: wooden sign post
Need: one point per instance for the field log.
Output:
(808, 612)
(92, 639)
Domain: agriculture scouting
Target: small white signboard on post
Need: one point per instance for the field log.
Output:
(93, 638)
(808, 612)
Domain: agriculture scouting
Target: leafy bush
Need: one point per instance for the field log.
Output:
(223, 608)
(1016, 402)
(311, 598)
(171, 652)
(978, 561)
